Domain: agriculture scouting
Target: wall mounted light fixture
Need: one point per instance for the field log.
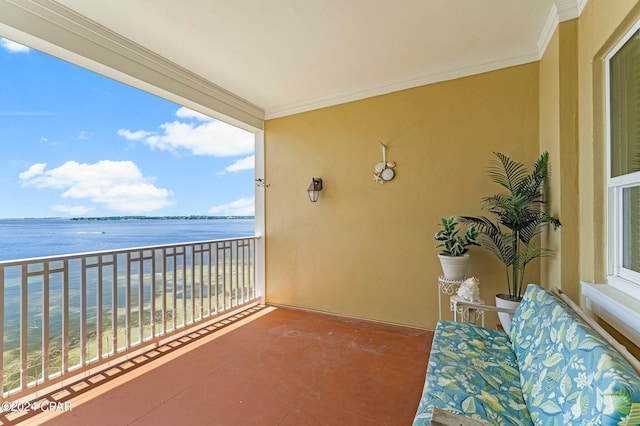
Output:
(314, 189)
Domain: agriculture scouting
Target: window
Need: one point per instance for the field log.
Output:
(623, 183)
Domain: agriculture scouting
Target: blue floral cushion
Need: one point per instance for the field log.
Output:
(472, 371)
(569, 373)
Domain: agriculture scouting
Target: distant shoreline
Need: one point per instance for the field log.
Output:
(106, 218)
(190, 217)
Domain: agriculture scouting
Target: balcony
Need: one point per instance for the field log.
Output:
(178, 332)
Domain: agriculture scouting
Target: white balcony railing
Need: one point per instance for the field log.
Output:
(65, 314)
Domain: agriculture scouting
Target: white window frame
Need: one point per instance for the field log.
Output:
(621, 278)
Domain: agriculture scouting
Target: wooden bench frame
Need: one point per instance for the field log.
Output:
(444, 418)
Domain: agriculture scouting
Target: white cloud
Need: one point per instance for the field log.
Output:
(13, 47)
(118, 185)
(184, 112)
(133, 136)
(247, 163)
(72, 210)
(33, 171)
(206, 136)
(241, 207)
(212, 138)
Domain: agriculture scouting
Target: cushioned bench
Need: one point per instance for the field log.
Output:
(553, 369)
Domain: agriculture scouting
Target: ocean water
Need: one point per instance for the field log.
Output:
(31, 238)
(28, 238)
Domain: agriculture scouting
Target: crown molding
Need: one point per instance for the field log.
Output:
(551, 23)
(561, 10)
(404, 82)
(49, 26)
(569, 9)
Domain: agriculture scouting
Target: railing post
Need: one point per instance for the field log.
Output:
(83, 312)
(174, 302)
(163, 254)
(127, 309)
(45, 323)
(184, 288)
(192, 279)
(24, 328)
(3, 305)
(140, 297)
(64, 362)
(216, 278)
(114, 304)
(99, 313)
(152, 307)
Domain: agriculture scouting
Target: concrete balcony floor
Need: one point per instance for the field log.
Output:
(268, 366)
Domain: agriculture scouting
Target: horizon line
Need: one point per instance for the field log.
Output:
(134, 217)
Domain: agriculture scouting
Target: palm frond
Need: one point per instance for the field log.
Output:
(532, 185)
(522, 213)
(483, 224)
(555, 222)
(492, 237)
(535, 223)
(506, 172)
(541, 166)
(533, 251)
(531, 223)
(499, 246)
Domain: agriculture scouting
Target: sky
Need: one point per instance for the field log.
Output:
(77, 144)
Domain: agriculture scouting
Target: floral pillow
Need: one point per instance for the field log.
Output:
(569, 373)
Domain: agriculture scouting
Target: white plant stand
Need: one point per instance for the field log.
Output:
(468, 311)
(447, 287)
(479, 309)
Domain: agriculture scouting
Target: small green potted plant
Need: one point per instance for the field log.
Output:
(454, 258)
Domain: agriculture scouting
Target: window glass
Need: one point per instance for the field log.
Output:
(631, 228)
(625, 108)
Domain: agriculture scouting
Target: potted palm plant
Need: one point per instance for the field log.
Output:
(454, 258)
(520, 214)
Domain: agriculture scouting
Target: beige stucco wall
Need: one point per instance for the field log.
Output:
(365, 249)
(550, 141)
(559, 136)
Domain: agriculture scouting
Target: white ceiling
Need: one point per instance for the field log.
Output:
(287, 56)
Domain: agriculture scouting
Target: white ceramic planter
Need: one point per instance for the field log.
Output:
(454, 267)
(505, 318)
